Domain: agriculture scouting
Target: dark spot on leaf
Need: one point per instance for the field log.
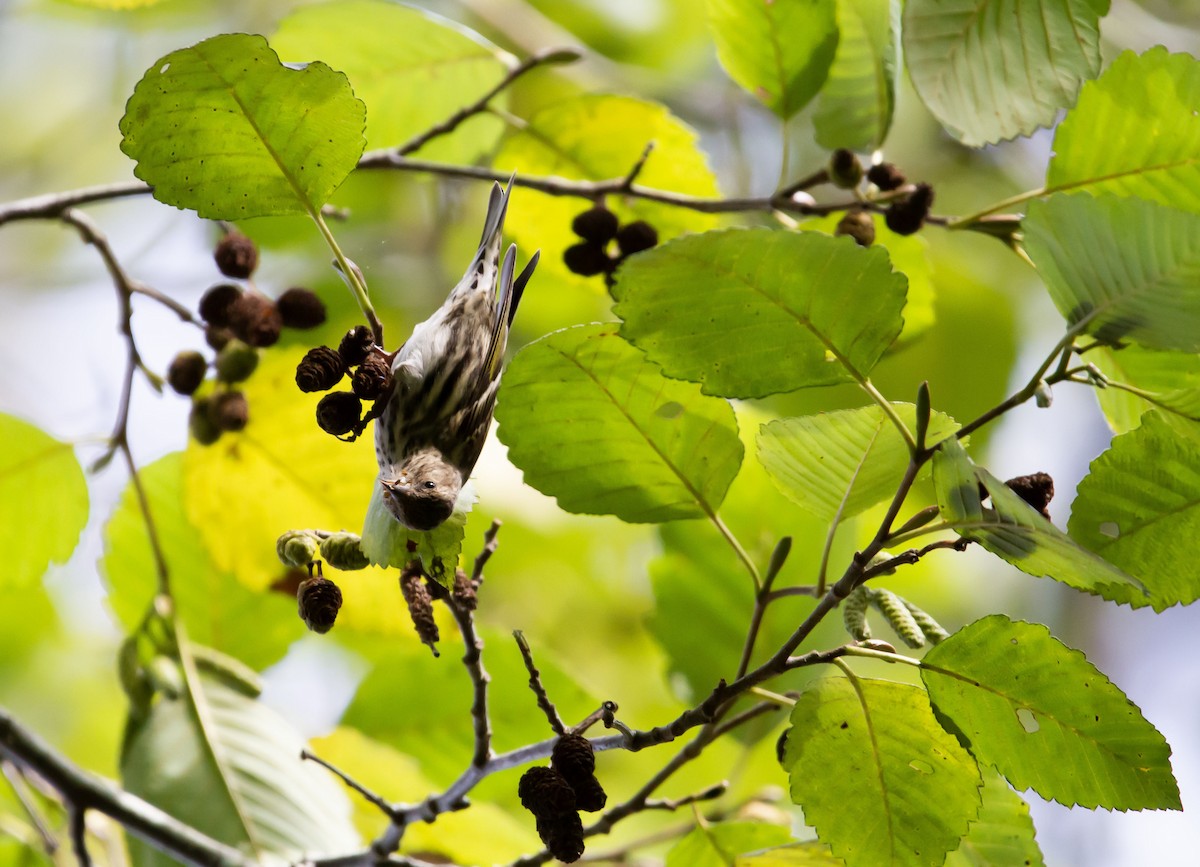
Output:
(844, 725)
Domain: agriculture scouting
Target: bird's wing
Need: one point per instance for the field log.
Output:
(505, 295)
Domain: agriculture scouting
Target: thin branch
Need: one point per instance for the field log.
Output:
(372, 798)
(551, 56)
(16, 780)
(672, 804)
(78, 829)
(51, 206)
(489, 548)
(535, 684)
(82, 790)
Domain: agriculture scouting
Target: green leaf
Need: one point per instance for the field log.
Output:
(809, 854)
(877, 776)
(1143, 108)
(1013, 531)
(43, 502)
(413, 69)
(779, 52)
(593, 423)
(855, 108)
(299, 477)
(1120, 268)
(230, 767)
(1168, 380)
(387, 542)
(600, 137)
(855, 456)
(225, 129)
(217, 610)
(1139, 508)
(996, 69)
(1046, 718)
(753, 312)
(720, 844)
(1003, 833)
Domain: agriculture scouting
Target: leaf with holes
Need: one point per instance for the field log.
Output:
(1002, 834)
(1046, 718)
(43, 502)
(779, 52)
(1139, 508)
(996, 69)
(593, 423)
(753, 312)
(1143, 108)
(230, 767)
(847, 460)
(876, 775)
(227, 130)
(856, 103)
(1140, 277)
(1013, 531)
(410, 67)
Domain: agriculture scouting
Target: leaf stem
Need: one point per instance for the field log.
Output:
(351, 275)
(738, 549)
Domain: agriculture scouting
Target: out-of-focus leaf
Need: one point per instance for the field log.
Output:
(849, 460)
(255, 626)
(1013, 531)
(596, 425)
(1143, 109)
(855, 106)
(877, 776)
(721, 844)
(1139, 508)
(1171, 381)
(780, 52)
(810, 854)
(411, 67)
(484, 834)
(224, 128)
(600, 137)
(753, 312)
(997, 69)
(1129, 268)
(1003, 833)
(1046, 718)
(43, 502)
(230, 767)
(283, 473)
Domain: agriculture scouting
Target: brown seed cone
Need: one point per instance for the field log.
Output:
(544, 792)
(844, 169)
(229, 411)
(906, 216)
(356, 345)
(859, 226)
(598, 225)
(464, 591)
(216, 303)
(1037, 489)
(300, 308)
(320, 370)
(589, 794)
(186, 372)
(635, 237)
(573, 756)
(217, 338)
(587, 259)
(319, 600)
(373, 378)
(236, 256)
(420, 607)
(886, 176)
(338, 413)
(563, 836)
(255, 320)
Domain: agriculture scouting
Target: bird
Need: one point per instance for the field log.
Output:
(444, 382)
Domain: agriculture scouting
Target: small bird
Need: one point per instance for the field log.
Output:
(445, 378)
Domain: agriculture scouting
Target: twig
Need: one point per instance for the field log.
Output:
(489, 548)
(672, 804)
(632, 174)
(16, 780)
(78, 826)
(541, 58)
(473, 660)
(50, 206)
(535, 684)
(366, 793)
(82, 790)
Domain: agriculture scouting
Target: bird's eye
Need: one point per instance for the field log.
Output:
(429, 486)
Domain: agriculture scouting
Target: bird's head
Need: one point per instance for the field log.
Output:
(420, 492)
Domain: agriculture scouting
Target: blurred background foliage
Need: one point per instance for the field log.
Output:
(645, 617)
